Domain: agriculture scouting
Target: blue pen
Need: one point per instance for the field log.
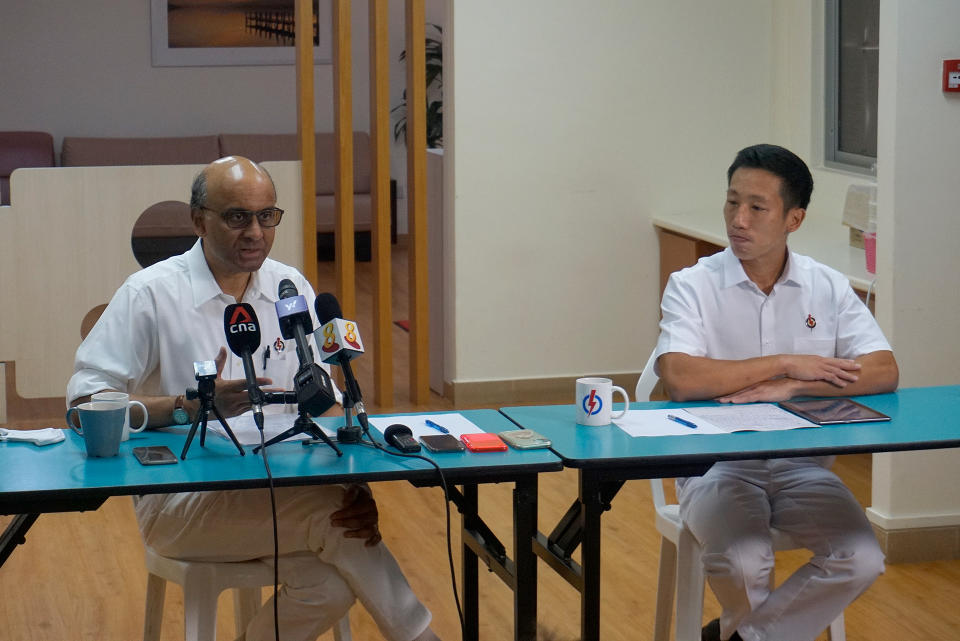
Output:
(437, 426)
(682, 421)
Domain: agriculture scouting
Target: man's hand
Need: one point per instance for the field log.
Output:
(358, 515)
(837, 371)
(779, 389)
(231, 397)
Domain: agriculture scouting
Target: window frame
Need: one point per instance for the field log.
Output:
(833, 156)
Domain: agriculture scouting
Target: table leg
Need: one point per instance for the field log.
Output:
(15, 534)
(592, 505)
(525, 561)
(469, 566)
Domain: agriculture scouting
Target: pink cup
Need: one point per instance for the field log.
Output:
(870, 248)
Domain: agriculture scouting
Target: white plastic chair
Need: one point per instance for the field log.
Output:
(202, 583)
(681, 569)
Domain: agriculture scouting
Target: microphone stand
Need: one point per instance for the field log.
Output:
(303, 425)
(204, 391)
(348, 432)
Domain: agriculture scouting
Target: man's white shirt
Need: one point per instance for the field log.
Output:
(165, 317)
(713, 309)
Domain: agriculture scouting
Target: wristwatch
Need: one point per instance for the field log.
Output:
(180, 415)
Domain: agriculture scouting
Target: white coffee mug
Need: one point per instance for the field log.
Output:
(595, 401)
(121, 397)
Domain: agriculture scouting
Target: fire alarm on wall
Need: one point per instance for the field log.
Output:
(951, 76)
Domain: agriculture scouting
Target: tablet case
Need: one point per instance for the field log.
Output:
(833, 411)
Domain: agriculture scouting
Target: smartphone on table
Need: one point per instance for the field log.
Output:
(441, 443)
(525, 439)
(154, 455)
(483, 442)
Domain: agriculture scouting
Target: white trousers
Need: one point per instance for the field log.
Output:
(730, 511)
(321, 571)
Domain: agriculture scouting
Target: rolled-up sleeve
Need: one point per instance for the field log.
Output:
(122, 348)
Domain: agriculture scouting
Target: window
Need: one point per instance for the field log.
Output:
(852, 69)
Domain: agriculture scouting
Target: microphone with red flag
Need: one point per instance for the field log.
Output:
(242, 329)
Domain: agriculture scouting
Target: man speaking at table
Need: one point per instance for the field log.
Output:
(757, 322)
(169, 315)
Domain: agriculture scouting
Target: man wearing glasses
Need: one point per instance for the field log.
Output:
(169, 315)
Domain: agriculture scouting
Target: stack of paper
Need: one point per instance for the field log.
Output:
(722, 419)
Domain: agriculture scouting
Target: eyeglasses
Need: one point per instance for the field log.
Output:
(240, 218)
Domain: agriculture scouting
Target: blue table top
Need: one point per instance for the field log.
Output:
(32, 478)
(921, 418)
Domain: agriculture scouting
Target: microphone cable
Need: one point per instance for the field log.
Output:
(446, 504)
(276, 540)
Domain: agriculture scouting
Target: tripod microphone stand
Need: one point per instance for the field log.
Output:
(205, 390)
(303, 425)
(310, 398)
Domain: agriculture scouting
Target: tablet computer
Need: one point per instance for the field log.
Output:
(833, 411)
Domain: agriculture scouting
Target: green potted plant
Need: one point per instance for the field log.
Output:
(434, 60)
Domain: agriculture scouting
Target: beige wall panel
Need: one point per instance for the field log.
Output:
(66, 248)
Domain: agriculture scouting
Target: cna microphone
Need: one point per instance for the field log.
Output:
(311, 383)
(243, 337)
(339, 342)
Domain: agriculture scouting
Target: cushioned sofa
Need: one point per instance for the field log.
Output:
(22, 149)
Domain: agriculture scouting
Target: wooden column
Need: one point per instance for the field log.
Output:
(417, 201)
(343, 130)
(380, 203)
(306, 137)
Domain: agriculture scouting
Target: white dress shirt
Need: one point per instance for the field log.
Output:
(713, 309)
(165, 317)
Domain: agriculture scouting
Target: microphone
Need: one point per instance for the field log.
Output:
(294, 317)
(311, 383)
(401, 437)
(243, 337)
(339, 342)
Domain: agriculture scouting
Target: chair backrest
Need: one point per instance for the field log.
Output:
(647, 381)
(645, 384)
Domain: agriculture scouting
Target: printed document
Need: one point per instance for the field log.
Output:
(714, 419)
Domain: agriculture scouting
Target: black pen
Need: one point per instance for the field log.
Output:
(266, 355)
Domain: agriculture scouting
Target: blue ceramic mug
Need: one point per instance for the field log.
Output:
(101, 426)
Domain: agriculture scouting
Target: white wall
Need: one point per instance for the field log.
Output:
(574, 122)
(83, 69)
(918, 165)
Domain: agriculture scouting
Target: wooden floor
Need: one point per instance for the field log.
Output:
(80, 576)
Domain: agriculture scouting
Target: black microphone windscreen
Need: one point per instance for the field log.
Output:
(241, 327)
(287, 289)
(327, 307)
(401, 437)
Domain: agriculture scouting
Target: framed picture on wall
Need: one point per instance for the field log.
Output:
(197, 33)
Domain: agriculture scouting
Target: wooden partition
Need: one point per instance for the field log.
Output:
(380, 173)
(66, 248)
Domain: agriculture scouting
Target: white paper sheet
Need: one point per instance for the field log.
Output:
(455, 423)
(245, 429)
(757, 417)
(656, 423)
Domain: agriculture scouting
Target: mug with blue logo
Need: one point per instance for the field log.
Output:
(595, 401)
